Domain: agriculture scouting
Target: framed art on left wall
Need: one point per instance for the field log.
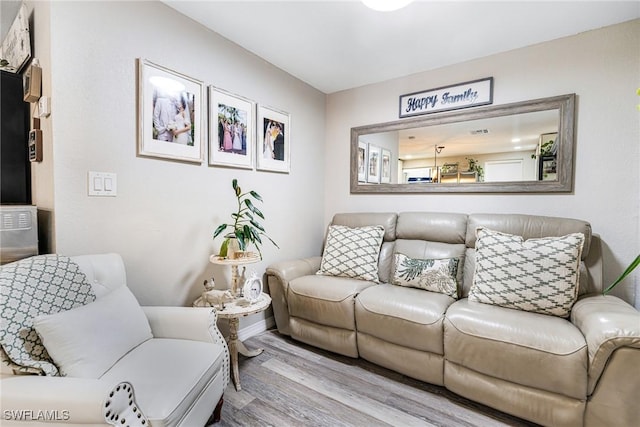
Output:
(232, 129)
(170, 112)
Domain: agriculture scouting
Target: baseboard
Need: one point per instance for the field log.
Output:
(256, 328)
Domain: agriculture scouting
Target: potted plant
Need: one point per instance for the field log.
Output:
(246, 228)
(474, 166)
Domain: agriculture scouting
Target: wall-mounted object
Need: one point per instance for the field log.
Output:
(461, 95)
(170, 114)
(35, 145)
(32, 83)
(413, 139)
(44, 106)
(16, 46)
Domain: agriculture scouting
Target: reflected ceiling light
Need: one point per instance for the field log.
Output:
(515, 140)
(166, 85)
(517, 148)
(386, 5)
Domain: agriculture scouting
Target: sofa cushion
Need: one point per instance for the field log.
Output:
(325, 300)
(86, 341)
(168, 375)
(404, 316)
(435, 275)
(535, 350)
(538, 275)
(41, 284)
(352, 252)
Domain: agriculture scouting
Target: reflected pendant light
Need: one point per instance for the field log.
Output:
(386, 5)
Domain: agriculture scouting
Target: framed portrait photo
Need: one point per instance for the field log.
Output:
(274, 140)
(231, 129)
(170, 113)
(385, 166)
(373, 164)
(362, 161)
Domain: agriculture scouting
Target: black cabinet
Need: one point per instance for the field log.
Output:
(15, 168)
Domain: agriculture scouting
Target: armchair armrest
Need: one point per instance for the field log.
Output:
(188, 323)
(65, 400)
(607, 323)
(278, 277)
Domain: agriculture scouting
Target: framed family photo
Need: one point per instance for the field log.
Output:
(274, 140)
(373, 164)
(231, 129)
(170, 113)
(385, 166)
(362, 161)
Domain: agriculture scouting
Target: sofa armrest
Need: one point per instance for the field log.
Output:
(607, 323)
(187, 323)
(278, 277)
(68, 401)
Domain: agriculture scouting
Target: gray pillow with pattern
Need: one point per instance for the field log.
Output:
(352, 252)
(537, 275)
(435, 275)
(41, 284)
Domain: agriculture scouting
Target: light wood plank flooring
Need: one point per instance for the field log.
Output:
(292, 384)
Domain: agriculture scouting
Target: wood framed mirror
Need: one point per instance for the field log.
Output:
(524, 147)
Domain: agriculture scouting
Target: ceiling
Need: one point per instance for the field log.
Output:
(338, 45)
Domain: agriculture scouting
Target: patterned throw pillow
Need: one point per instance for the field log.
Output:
(352, 252)
(537, 275)
(38, 285)
(435, 275)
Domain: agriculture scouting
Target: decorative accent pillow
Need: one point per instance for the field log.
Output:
(86, 341)
(352, 252)
(38, 285)
(435, 275)
(538, 275)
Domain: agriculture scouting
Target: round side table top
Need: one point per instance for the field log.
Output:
(216, 259)
(240, 307)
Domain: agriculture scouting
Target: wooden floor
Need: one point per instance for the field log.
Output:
(292, 384)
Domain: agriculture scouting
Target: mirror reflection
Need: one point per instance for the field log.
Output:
(520, 147)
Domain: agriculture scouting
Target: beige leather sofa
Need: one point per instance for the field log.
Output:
(583, 370)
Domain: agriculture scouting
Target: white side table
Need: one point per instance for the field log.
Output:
(234, 263)
(233, 311)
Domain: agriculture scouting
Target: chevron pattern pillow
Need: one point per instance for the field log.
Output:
(352, 252)
(537, 275)
(435, 275)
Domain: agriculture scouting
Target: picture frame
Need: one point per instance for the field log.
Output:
(16, 45)
(373, 164)
(362, 161)
(385, 166)
(232, 129)
(273, 146)
(170, 114)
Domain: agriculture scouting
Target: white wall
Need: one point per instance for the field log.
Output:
(602, 67)
(164, 215)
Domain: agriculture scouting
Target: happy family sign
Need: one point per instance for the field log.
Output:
(463, 95)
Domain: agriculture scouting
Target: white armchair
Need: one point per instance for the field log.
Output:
(175, 377)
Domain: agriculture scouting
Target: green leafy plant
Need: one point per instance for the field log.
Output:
(246, 226)
(545, 149)
(628, 271)
(474, 166)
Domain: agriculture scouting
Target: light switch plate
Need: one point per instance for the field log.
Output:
(102, 184)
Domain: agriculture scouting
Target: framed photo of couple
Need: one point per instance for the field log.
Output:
(170, 114)
(231, 129)
(274, 136)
